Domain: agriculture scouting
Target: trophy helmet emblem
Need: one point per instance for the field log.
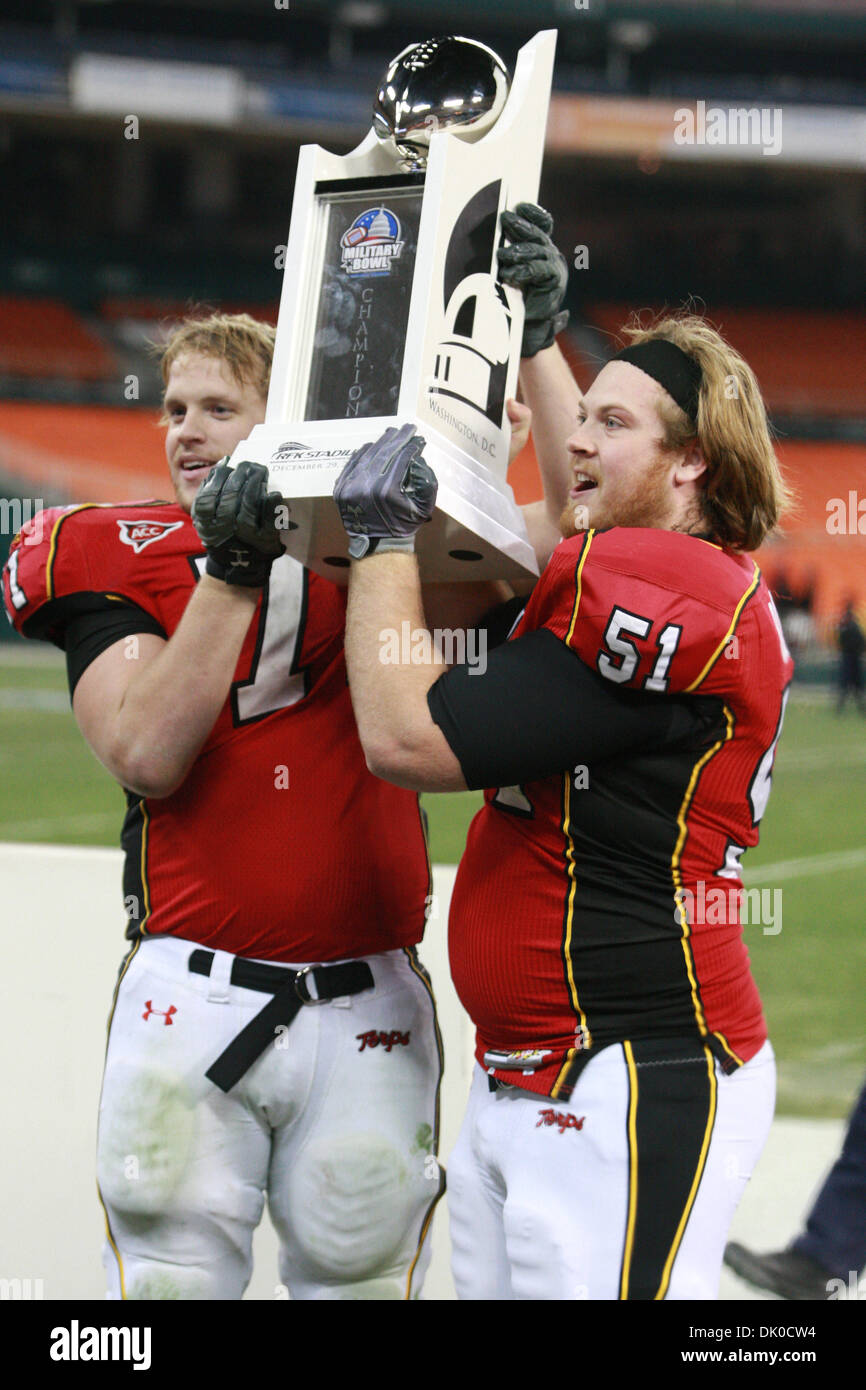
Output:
(436, 85)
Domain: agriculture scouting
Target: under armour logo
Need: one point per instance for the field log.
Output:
(164, 1013)
(240, 558)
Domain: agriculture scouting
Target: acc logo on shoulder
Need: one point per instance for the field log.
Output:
(138, 534)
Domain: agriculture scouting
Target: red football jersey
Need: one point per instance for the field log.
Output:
(603, 904)
(279, 844)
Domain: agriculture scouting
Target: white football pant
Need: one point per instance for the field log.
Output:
(338, 1129)
(624, 1192)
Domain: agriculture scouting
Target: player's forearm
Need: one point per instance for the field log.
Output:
(392, 663)
(551, 391)
(170, 707)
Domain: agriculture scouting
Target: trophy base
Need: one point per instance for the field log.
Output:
(476, 533)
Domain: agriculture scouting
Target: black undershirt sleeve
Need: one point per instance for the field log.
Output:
(88, 635)
(500, 621)
(538, 709)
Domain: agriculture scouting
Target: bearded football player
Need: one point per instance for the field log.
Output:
(624, 737)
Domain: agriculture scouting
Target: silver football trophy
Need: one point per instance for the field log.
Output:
(391, 310)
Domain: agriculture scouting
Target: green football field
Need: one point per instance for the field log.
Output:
(812, 857)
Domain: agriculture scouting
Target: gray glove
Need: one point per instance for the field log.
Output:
(534, 265)
(235, 517)
(385, 492)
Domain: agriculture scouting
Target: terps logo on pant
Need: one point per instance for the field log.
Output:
(387, 1040)
(563, 1118)
(166, 1014)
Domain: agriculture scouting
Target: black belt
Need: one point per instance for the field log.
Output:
(289, 988)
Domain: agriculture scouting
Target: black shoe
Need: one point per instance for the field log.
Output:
(788, 1274)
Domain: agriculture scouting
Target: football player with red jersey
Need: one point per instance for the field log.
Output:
(625, 737)
(265, 866)
(256, 843)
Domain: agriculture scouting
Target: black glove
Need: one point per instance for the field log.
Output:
(534, 265)
(235, 517)
(385, 492)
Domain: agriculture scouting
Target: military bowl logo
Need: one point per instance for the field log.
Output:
(372, 243)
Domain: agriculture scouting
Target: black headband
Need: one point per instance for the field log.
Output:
(672, 368)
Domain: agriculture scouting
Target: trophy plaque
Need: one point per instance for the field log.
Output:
(391, 310)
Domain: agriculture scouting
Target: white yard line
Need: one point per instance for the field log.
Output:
(807, 866)
(95, 820)
(45, 701)
(818, 759)
(30, 654)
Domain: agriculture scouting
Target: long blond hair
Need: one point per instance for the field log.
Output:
(743, 494)
(245, 344)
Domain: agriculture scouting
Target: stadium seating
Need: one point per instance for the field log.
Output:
(83, 453)
(140, 308)
(808, 362)
(44, 338)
